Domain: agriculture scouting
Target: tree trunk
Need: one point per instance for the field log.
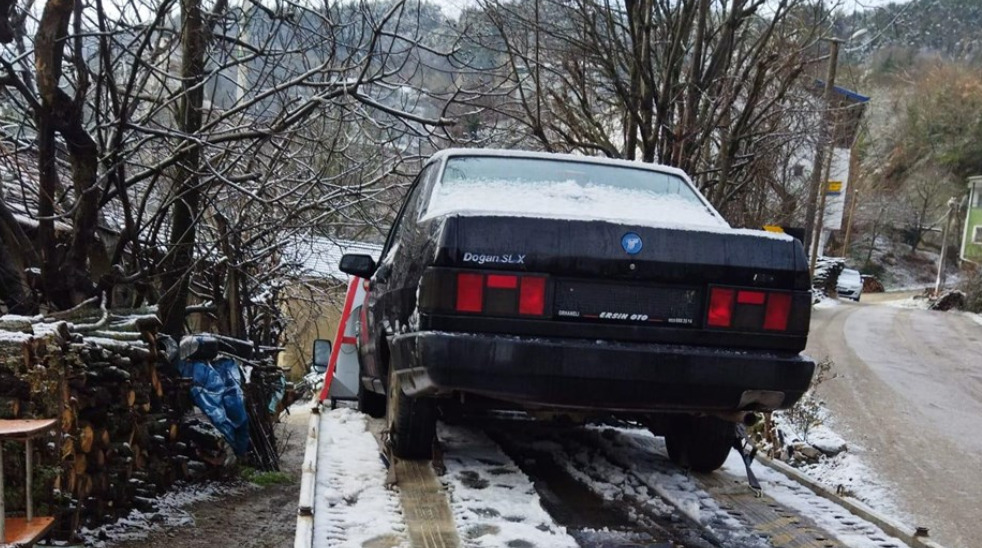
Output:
(64, 273)
(177, 266)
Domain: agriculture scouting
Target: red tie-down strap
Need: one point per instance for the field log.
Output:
(339, 338)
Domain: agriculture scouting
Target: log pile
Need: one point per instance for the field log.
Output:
(125, 432)
(872, 285)
(827, 270)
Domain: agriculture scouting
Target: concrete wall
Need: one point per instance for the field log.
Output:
(313, 311)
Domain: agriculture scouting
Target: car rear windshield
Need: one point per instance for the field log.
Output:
(550, 188)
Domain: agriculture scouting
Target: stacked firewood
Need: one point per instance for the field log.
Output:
(125, 433)
(827, 270)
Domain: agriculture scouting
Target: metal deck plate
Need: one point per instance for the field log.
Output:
(784, 528)
(425, 506)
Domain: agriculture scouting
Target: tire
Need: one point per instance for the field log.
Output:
(699, 443)
(411, 421)
(369, 402)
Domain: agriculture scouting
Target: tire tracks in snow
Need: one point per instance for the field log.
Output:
(628, 468)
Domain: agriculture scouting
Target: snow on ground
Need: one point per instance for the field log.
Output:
(628, 465)
(629, 455)
(494, 504)
(977, 318)
(670, 482)
(841, 470)
(846, 473)
(826, 302)
(911, 302)
(170, 513)
(633, 461)
(353, 505)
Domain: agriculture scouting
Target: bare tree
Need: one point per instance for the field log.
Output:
(201, 139)
(704, 85)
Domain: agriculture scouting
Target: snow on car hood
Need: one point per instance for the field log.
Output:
(572, 200)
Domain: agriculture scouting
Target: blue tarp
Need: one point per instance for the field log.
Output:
(217, 390)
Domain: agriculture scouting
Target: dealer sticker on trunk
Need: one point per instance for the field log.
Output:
(508, 258)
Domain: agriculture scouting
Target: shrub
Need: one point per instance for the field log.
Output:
(972, 286)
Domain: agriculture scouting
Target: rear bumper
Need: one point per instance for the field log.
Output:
(600, 375)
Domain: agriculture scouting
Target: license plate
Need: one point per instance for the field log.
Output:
(610, 302)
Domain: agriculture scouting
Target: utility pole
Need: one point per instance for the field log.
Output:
(852, 209)
(816, 190)
(952, 204)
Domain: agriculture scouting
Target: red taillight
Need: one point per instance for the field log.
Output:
(778, 310)
(720, 307)
(532, 298)
(750, 297)
(470, 292)
(749, 309)
(501, 294)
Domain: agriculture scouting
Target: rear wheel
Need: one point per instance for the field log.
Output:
(699, 443)
(369, 402)
(412, 422)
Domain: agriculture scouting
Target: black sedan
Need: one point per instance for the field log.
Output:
(593, 288)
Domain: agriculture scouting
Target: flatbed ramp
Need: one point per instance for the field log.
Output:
(424, 504)
(782, 527)
(429, 522)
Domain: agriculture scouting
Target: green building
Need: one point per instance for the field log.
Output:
(972, 238)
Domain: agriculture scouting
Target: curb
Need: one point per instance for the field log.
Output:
(305, 509)
(889, 526)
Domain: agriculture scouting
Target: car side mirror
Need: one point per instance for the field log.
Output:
(359, 265)
(322, 355)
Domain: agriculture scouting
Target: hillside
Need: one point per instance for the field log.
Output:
(899, 33)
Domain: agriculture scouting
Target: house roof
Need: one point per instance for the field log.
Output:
(20, 190)
(319, 256)
(19, 187)
(848, 109)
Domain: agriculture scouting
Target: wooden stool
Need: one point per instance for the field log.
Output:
(29, 529)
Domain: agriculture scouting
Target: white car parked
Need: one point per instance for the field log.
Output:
(850, 284)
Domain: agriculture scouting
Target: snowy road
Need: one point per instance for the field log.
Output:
(909, 393)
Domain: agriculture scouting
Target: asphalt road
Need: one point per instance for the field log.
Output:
(908, 396)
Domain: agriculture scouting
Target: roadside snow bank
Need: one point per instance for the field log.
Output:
(825, 301)
(807, 442)
(353, 505)
(917, 303)
(494, 504)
